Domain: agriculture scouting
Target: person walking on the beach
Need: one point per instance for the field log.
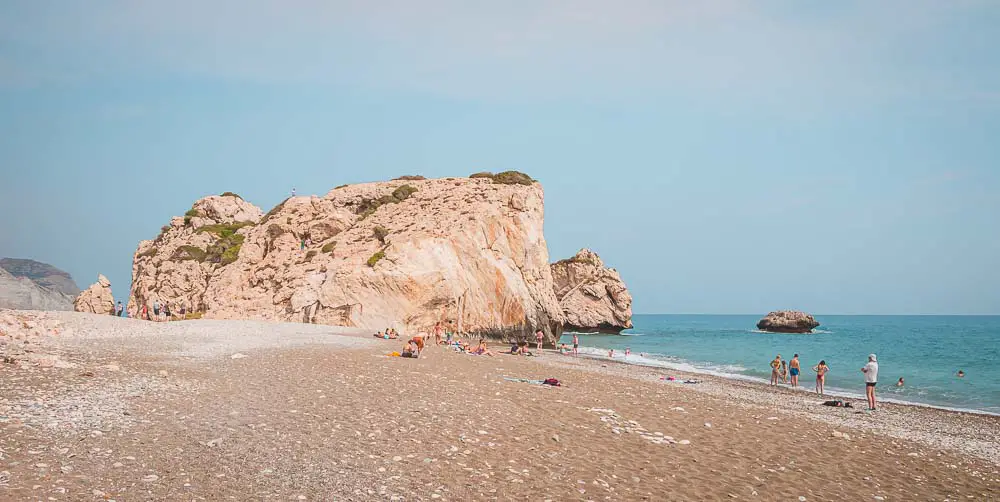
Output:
(576, 345)
(821, 370)
(611, 353)
(775, 368)
(793, 369)
(437, 333)
(871, 379)
(539, 337)
(145, 312)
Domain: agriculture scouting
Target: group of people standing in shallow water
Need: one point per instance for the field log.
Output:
(781, 369)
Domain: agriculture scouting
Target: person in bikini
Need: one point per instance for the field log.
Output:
(775, 369)
(821, 370)
(540, 338)
(437, 333)
(418, 341)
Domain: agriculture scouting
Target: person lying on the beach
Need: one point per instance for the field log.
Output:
(838, 404)
(482, 350)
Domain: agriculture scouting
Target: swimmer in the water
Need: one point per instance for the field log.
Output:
(900, 382)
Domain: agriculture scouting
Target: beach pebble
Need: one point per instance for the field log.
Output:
(555, 437)
(708, 425)
(238, 356)
(802, 499)
(684, 441)
(150, 478)
(878, 497)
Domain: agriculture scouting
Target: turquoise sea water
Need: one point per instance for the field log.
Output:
(927, 351)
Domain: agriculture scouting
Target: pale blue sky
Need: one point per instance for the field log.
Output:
(726, 157)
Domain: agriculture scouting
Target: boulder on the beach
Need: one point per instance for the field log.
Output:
(97, 299)
(468, 252)
(593, 297)
(788, 321)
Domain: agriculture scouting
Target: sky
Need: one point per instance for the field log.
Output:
(724, 156)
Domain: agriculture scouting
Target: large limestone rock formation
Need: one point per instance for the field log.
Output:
(788, 321)
(97, 299)
(593, 298)
(404, 253)
(32, 285)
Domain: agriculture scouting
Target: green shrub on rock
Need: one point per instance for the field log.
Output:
(483, 174)
(513, 178)
(375, 258)
(380, 233)
(231, 194)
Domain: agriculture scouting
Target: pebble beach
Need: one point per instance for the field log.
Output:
(101, 408)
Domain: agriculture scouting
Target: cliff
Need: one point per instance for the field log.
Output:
(32, 285)
(469, 252)
(592, 297)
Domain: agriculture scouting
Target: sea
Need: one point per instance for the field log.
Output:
(926, 351)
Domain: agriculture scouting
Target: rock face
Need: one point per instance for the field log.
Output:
(788, 321)
(32, 285)
(405, 253)
(592, 297)
(97, 299)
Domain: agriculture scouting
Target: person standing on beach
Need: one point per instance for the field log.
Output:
(793, 368)
(628, 350)
(437, 333)
(539, 337)
(821, 370)
(576, 345)
(784, 371)
(156, 310)
(775, 368)
(145, 312)
(871, 379)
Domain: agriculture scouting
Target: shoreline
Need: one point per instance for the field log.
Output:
(835, 392)
(967, 433)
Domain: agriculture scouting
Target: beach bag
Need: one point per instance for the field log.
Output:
(551, 381)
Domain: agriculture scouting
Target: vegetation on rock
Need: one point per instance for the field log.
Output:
(369, 206)
(193, 315)
(189, 253)
(380, 233)
(148, 252)
(311, 254)
(231, 194)
(484, 174)
(328, 247)
(513, 178)
(375, 258)
(410, 178)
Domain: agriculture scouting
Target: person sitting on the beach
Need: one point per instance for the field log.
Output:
(411, 349)
(379, 335)
(513, 348)
(564, 349)
(392, 334)
(482, 350)
(900, 382)
(419, 342)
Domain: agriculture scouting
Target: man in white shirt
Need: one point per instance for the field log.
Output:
(871, 378)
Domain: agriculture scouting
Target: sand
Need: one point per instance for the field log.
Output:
(117, 409)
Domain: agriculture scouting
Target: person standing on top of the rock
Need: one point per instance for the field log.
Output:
(293, 191)
(540, 338)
